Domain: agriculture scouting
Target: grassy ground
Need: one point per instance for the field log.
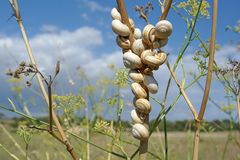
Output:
(44, 147)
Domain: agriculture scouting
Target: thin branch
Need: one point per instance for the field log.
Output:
(166, 9)
(191, 107)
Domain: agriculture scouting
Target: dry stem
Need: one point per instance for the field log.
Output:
(191, 107)
(208, 81)
(44, 93)
(166, 9)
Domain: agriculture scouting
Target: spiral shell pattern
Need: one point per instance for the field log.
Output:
(141, 56)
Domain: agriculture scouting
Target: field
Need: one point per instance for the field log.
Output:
(44, 147)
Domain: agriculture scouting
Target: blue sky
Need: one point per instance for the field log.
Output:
(63, 29)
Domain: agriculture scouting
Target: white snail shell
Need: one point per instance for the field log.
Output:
(115, 14)
(131, 60)
(119, 28)
(139, 131)
(123, 42)
(151, 83)
(161, 56)
(138, 90)
(160, 43)
(148, 34)
(147, 52)
(163, 29)
(143, 105)
(138, 47)
(135, 75)
(136, 117)
(137, 33)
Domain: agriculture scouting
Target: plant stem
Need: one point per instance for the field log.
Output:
(44, 93)
(13, 140)
(238, 109)
(208, 81)
(166, 10)
(9, 153)
(191, 107)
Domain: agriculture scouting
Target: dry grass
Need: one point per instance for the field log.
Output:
(180, 144)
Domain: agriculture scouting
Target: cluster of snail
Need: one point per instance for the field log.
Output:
(141, 56)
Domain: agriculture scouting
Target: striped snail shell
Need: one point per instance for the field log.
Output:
(138, 90)
(131, 60)
(148, 34)
(161, 56)
(138, 47)
(139, 131)
(137, 33)
(147, 52)
(151, 83)
(135, 75)
(163, 29)
(119, 28)
(135, 116)
(115, 14)
(123, 42)
(143, 105)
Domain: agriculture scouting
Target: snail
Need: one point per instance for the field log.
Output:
(131, 60)
(145, 53)
(138, 90)
(139, 131)
(150, 83)
(119, 28)
(136, 117)
(155, 61)
(123, 42)
(148, 34)
(138, 47)
(115, 14)
(137, 33)
(163, 29)
(143, 105)
(141, 56)
(135, 75)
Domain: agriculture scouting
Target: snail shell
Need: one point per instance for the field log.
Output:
(160, 43)
(139, 131)
(148, 34)
(161, 56)
(131, 60)
(123, 42)
(136, 117)
(163, 29)
(119, 28)
(137, 33)
(138, 90)
(151, 83)
(145, 53)
(143, 105)
(155, 61)
(115, 14)
(138, 47)
(135, 75)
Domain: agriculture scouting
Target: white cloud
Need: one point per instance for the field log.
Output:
(95, 7)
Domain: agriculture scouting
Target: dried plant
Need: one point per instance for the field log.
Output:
(144, 11)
